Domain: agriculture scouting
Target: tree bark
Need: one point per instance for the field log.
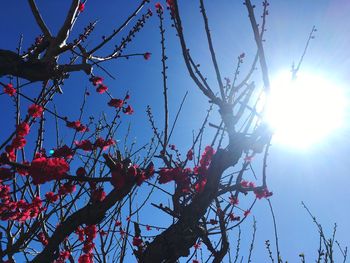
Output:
(35, 69)
(176, 241)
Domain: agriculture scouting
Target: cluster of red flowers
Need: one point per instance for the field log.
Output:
(115, 103)
(259, 192)
(98, 194)
(63, 152)
(262, 193)
(76, 125)
(182, 177)
(9, 90)
(35, 111)
(233, 217)
(45, 169)
(87, 236)
(137, 241)
(98, 82)
(18, 141)
(87, 145)
(64, 255)
(51, 197)
(66, 188)
(126, 172)
(17, 210)
(246, 184)
(189, 155)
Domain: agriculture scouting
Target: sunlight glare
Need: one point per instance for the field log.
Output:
(304, 111)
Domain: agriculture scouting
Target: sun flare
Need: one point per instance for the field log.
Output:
(304, 111)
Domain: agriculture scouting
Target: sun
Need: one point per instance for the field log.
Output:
(304, 111)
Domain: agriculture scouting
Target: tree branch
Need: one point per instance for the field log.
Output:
(39, 19)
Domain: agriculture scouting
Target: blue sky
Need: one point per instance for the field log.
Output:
(319, 176)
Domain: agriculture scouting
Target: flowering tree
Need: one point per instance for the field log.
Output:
(69, 202)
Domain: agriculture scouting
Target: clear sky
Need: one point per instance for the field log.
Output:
(318, 175)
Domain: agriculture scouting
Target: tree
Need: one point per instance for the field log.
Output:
(72, 199)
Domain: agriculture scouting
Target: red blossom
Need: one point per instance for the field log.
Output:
(206, 156)
(199, 186)
(147, 55)
(47, 169)
(166, 175)
(35, 111)
(18, 142)
(42, 238)
(10, 150)
(213, 221)
(23, 170)
(81, 7)
(262, 193)
(76, 125)
(244, 183)
(158, 6)
(96, 80)
(23, 129)
(103, 233)
(80, 172)
(137, 241)
(62, 257)
(86, 258)
(170, 3)
(85, 145)
(118, 177)
(189, 155)
(101, 89)
(10, 90)
(64, 152)
(128, 110)
(66, 188)
(233, 217)
(104, 145)
(233, 200)
(90, 232)
(122, 232)
(80, 233)
(246, 213)
(251, 184)
(51, 197)
(116, 103)
(148, 228)
(132, 171)
(88, 247)
(99, 194)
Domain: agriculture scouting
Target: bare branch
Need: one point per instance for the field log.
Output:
(40, 21)
(258, 40)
